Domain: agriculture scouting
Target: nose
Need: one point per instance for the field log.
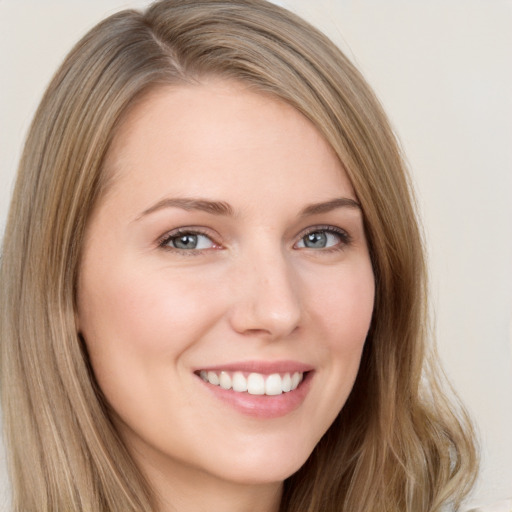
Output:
(266, 298)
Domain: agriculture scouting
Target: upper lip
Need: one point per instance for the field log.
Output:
(263, 367)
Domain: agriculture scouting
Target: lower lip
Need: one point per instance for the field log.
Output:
(263, 406)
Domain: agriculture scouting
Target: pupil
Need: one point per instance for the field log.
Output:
(186, 242)
(316, 240)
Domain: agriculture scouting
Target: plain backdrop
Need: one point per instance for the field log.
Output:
(443, 70)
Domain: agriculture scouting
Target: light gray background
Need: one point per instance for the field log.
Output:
(443, 70)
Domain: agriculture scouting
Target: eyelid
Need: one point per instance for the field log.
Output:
(345, 237)
(186, 230)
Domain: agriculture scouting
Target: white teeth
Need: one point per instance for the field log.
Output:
(239, 382)
(287, 383)
(213, 378)
(273, 385)
(255, 383)
(225, 380)
(296, 379)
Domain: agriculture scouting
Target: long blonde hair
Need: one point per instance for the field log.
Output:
(397, 445)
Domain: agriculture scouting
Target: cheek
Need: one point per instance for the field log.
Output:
(342, 311)
(134, 323)
(140, 307)
(342, 304)
(137, 328)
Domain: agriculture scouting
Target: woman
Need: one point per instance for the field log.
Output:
(224, 278)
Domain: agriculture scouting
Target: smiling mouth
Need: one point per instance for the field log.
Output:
(254, 383)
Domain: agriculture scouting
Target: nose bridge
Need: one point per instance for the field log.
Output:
(267, 300)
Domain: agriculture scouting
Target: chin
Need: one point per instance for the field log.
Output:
(260, 466)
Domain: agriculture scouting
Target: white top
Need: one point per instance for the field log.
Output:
(502, 506)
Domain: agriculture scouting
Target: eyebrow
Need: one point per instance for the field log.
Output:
(223, 208)
(186, 203)
(327, 206)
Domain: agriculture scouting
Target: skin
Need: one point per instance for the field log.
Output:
(152, 315)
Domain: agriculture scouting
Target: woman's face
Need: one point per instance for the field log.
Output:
(228, 251)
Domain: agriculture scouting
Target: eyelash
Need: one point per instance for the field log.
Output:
(166, 239)
(345, 239)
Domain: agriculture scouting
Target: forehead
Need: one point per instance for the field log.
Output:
(192, 138)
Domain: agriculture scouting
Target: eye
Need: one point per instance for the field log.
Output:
(324, 238)
(183, 240)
